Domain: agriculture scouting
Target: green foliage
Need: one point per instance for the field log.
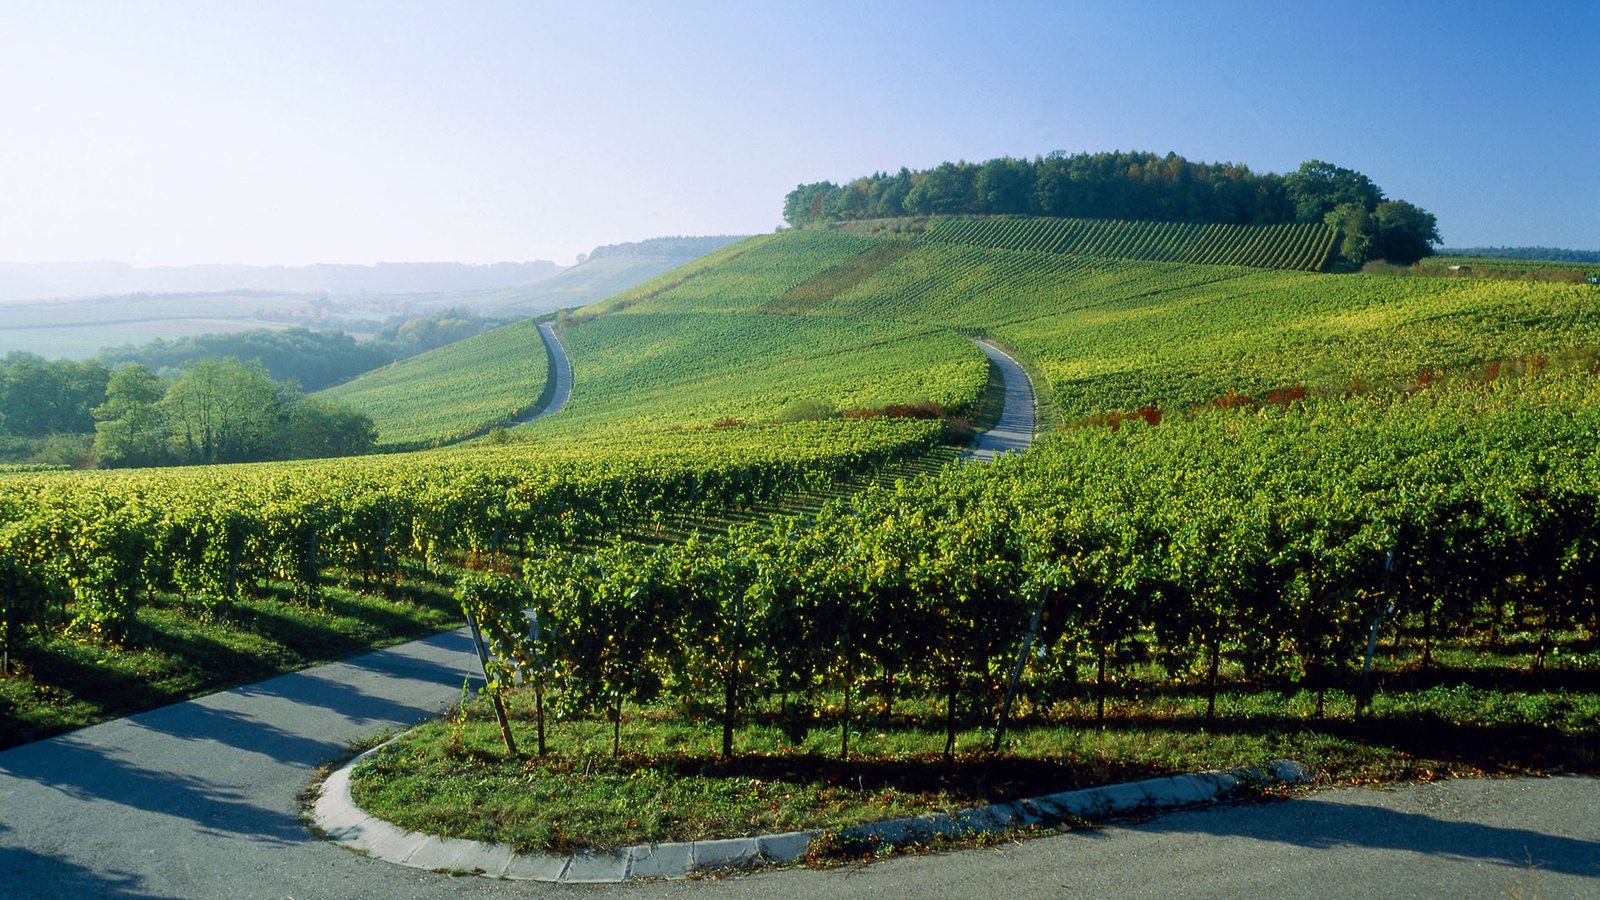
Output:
(1116, 185)
(1402, 233)
(218, 411)
(1318, 188)
(314, 359)
(40, 397)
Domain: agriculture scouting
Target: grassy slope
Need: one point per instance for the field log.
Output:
(693, 350)
(1122, 334)
(467, 387)
(852, 319)
(453, 391)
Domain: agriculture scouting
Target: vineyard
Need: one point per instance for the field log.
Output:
(1252, 465)
(1299, 246)
(1239, 545)
(453, 392)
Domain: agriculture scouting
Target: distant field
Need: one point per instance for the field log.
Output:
(610, 271)
(84, 341)
(78, 329)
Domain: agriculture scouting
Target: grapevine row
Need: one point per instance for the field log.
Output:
(1269, 545)
(1298, 246)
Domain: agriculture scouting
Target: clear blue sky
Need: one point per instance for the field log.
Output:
(298, 132)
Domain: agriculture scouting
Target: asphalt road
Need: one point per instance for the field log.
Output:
(562, 390)
(1014, 432)
(199, 800)
(1472, 838)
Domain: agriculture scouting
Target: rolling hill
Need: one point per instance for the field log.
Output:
(856, 317)
(1237, 450)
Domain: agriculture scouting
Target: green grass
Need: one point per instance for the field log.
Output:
(453, 776)
(656, 370)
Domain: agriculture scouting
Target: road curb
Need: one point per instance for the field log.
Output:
(337, 817)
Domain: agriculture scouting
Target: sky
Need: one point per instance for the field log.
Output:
(289, 133)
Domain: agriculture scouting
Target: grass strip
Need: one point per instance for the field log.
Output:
(452, 777)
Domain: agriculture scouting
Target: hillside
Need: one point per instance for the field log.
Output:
(457, 391)
(1105, 334)
(857, 317)
(452, 392)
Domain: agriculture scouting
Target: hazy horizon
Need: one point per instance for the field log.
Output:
(188, 133)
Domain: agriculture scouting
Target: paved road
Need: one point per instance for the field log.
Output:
(1470, 838)
(198, 800)
(563, 388)
(1014, 432)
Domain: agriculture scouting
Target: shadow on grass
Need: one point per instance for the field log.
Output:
(1502, 747)
(974, 779)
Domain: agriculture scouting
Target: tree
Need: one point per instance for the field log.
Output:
(224, 411)
(1355, 231)
(1402, 233)
(40, 397)
(1317, 188)
(129, 427)
(316, 428)
(804, 204)
(1003, 186)
(942, 190)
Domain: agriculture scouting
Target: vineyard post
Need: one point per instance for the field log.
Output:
(494, 696)
(1016, 671)
(535, 640)
(1384, 608)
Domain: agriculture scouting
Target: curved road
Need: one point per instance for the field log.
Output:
(1017, 425)
(563, 367)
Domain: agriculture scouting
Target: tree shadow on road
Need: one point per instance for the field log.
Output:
(91, 775)
(1327, 823)
(26, 873)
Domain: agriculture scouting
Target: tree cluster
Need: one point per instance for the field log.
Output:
(214, 410)
(1139, 186)
(1540, 254)
(40, 397)
(219, 411)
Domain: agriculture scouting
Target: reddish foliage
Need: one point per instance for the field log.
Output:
(1428, 378)
(924, 410)
(1232, 400)
(729, 422)
(1285, 396)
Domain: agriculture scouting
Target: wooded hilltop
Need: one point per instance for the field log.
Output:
(1138, 186)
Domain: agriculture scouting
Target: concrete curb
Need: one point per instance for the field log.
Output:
(337, 816)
